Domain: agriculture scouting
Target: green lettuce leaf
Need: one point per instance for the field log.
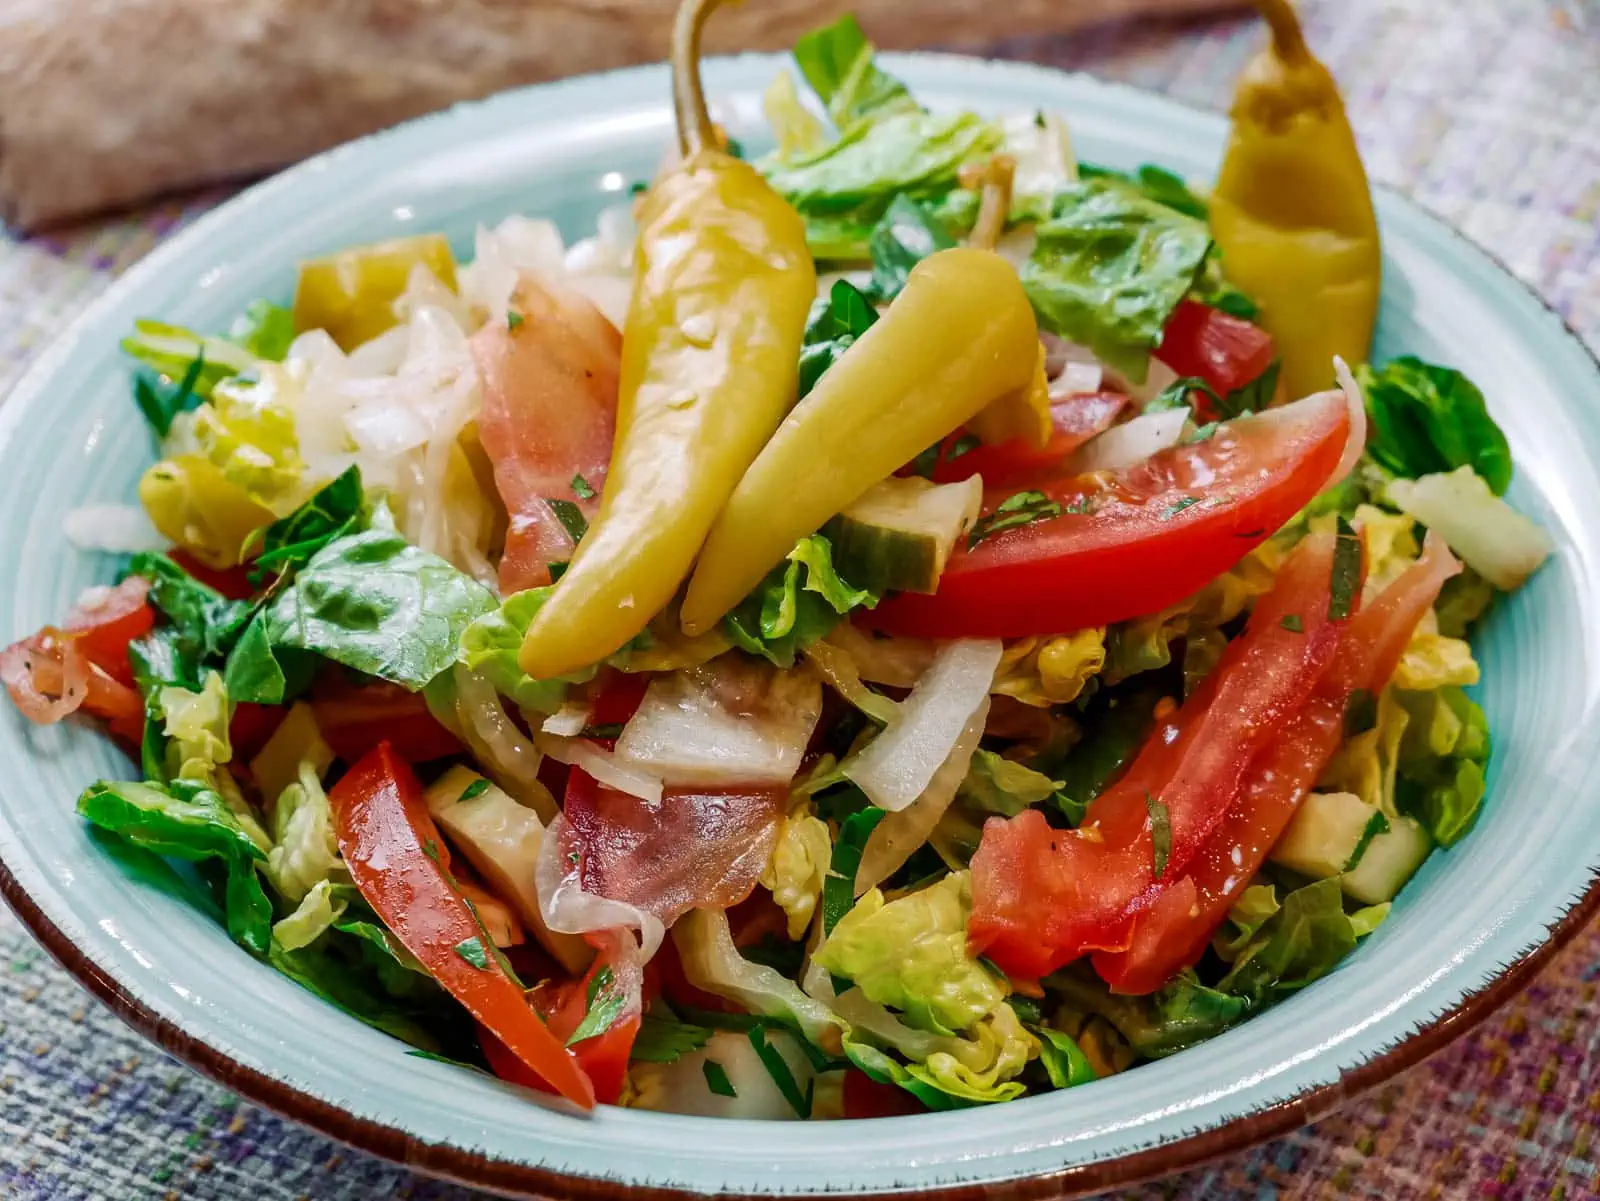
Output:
(265, 330)
(799, 602)
(173, 351)
(305, 848)
(1115, 726)
(189, 821)
(1179, 1015)
(833, 327)
(370, 601)
(491, 644)
(1428, 419)
(337, 509)
(311, 919)
(911, 954)
(1444, 755)
(205, 623)
(1155, 183)
(995, 784)
(844, 189)
(907, 234)
(837, 61)
(1064, 1061)
(1109, 269)
(1302, 941)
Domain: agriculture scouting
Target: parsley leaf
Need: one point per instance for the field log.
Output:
(778, 1068)
(514, 319)
(1017, 510)
(717, 1079)
(582, 488)
(570, 516)
(606, 1000)
(475, 789)
(1292, 623)
(1345, 581)
(471, 949)
(1160, 833)
(662, 1038)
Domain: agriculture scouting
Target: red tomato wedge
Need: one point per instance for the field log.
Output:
(1227, 352)
(693, 849)
(603, 1057)
(864, 1097)
(1074, 420)
(1173, 936)
(549, 412)
(1044, 897)
(107, 622)
(354, 718)
(1133, 541)
(389, 842)
(232, 582)
(251, 726)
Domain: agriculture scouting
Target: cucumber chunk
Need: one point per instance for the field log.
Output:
(899, 535)
(1389, 861)
(1329, 835)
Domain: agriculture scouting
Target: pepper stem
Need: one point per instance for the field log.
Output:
(1287, 39)
(695, 130)
(996, 181)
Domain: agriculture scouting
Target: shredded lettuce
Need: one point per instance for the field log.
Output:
(265, 330)
(797, 130)
(1443, 758)
(1176, 1016)
(907, 234)
(1492, 538)
(1110, 267)
(995, 784)
(1303, 940)
(1051, 671)
(172, 351)
(490, 645)
(305, 848)
(313, 917)
(798, 867)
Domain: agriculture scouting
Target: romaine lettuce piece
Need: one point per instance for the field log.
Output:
(798, 868)
(837, 61)
(1428, 419)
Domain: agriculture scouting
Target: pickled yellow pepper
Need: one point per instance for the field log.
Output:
(960, 336)
(710, 356)
(1292, 209)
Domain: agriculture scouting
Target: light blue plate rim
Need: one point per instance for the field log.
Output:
(1015, 1150)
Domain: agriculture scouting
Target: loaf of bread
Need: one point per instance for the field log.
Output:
(108, 102)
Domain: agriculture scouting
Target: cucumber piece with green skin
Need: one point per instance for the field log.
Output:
(900, 533)
(1329, 835)
(1388, 862)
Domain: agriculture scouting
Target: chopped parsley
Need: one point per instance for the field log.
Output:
(1178, 506)
(778, 1068)
(1345, 581)
(717, 1079)
(570, 516)
(475, 789)
(472, 950)
(430, 848)
(611, 729)
(1360, 713)
(1201, 433)
(582, 488)
(514, 319)
(1017, 510)
(1292, 623)
(1160, 833)
(663, 1038)
(606, 999)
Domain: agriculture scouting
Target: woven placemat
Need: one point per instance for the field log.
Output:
(1485, 112)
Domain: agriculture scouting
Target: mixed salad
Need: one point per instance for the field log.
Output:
(902, 622)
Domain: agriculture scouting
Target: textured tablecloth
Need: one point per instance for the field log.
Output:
(1486, 111)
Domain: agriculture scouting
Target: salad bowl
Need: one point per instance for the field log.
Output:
(1471, 928)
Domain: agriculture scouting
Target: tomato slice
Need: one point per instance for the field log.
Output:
(1133, 541)
(48, 677)
(1173, 936)
(564, 1005)
(549, 412)
(107, 623)
(864, 1097)
(354, 718)
(1074, 419)
(1044, 897)
(389, 842)
(1225, 351)
(250, 728)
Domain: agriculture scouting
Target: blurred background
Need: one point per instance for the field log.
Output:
(122, 120)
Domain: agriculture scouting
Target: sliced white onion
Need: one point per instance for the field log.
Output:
(730, 721)
(896, 838)
(1129, 443)
(1077, 378)
(896, 767)
(507, 757)
(120, 528)
(569, 720)
(1357, 408)
(601, 764)
(1491, 537)
(568, 909)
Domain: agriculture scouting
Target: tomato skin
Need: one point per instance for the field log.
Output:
(1170, 938)
(864, 1097)
(355, 718)
(617, 697)
(1153, 534)
(384, 831)
(1074, 420)
(1044, 897)
(105, 627)
(1227, 352)
(232, 582)
(251, 726)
